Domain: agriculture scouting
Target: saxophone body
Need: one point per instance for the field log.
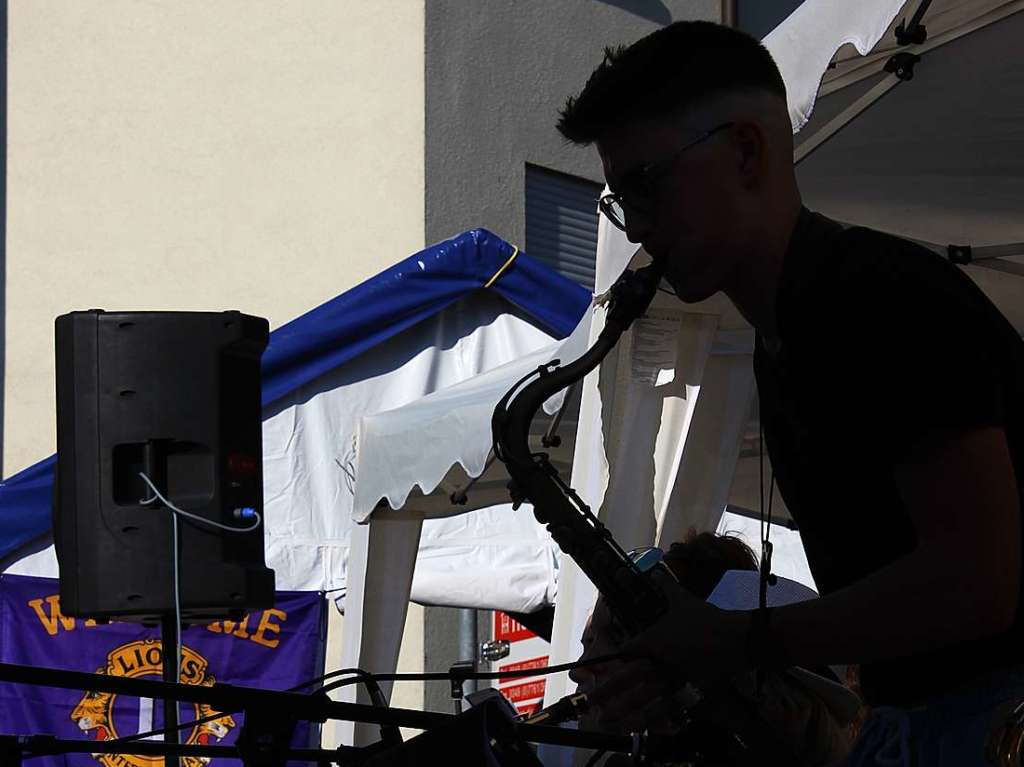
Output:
(633, 597)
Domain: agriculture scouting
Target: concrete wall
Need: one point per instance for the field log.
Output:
(186, 154)
(496, 75)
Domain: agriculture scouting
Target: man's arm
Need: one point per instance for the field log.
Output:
(961, 582)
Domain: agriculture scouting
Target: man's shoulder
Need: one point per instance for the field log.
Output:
(859, 251)
(854, 286)
(858, 263)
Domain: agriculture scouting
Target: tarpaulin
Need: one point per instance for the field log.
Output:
(276, 648)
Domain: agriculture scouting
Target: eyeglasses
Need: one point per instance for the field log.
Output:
(640, 186)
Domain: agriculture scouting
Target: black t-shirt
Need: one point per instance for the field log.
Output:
(881, 341)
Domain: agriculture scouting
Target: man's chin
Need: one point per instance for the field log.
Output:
(691, 291)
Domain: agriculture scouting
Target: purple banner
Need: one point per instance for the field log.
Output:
(275, 649)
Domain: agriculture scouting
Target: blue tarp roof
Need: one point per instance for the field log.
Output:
(344, 327)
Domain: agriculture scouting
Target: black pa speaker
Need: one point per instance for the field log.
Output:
(174, 395)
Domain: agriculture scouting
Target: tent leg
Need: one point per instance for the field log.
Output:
(467, 643)
(576, 596)
(700, 490)
(382, 557)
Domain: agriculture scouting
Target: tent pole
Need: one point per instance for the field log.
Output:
(844, 118)
(997, 251)
(981, 255)
(1010, 267)
(914, 33)
(729, 13)
(857, 74)
(743, 511)
(985, 256)
(467, 643)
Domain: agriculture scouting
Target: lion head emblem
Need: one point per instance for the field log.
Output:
(93, 713)
(143, 658)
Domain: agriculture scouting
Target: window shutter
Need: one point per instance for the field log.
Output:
(561, 223)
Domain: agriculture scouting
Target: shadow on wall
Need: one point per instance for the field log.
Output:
(759, 17)
(652, 10)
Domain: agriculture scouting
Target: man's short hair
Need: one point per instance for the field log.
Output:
(665, 73)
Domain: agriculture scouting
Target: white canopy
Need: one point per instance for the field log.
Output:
(939, 157)
(416, 470)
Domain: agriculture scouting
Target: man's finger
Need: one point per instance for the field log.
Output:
(627, 695)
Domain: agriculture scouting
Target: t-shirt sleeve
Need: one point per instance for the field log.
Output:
(922, 352)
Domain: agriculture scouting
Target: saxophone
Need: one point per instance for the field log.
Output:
(635, 599)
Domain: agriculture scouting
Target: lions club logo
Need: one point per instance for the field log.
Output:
(101, 713)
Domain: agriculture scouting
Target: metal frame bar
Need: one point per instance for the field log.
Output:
(1010, 267)
(997, 251)
(931, 44)
(904, 30)
(855, 109)
(742, 511)
(844, 118)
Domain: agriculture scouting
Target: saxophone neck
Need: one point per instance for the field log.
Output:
(629, 297)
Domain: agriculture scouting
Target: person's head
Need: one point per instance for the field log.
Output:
(700, 561)
(694, 134)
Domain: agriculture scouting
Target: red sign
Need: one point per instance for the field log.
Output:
(505, 627)
(525, 665)
(529, 709)
(526, 691)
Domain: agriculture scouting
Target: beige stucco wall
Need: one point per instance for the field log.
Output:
(187, 154)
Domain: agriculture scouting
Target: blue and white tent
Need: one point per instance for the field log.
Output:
(425, 325)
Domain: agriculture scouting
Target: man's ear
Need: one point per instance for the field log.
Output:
(750, 146)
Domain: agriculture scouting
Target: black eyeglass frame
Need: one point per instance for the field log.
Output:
(646, 176)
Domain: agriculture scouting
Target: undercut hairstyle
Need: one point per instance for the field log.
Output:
(664, 74)
(702, 559)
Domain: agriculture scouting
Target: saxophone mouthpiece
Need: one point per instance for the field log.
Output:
(633, 293)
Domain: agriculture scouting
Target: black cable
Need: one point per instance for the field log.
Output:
(765, 520)
(372, 683)
(171, 730)
(760, 618)
(374, 689)
(595, 758)
(435, 676)
(760, 475)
